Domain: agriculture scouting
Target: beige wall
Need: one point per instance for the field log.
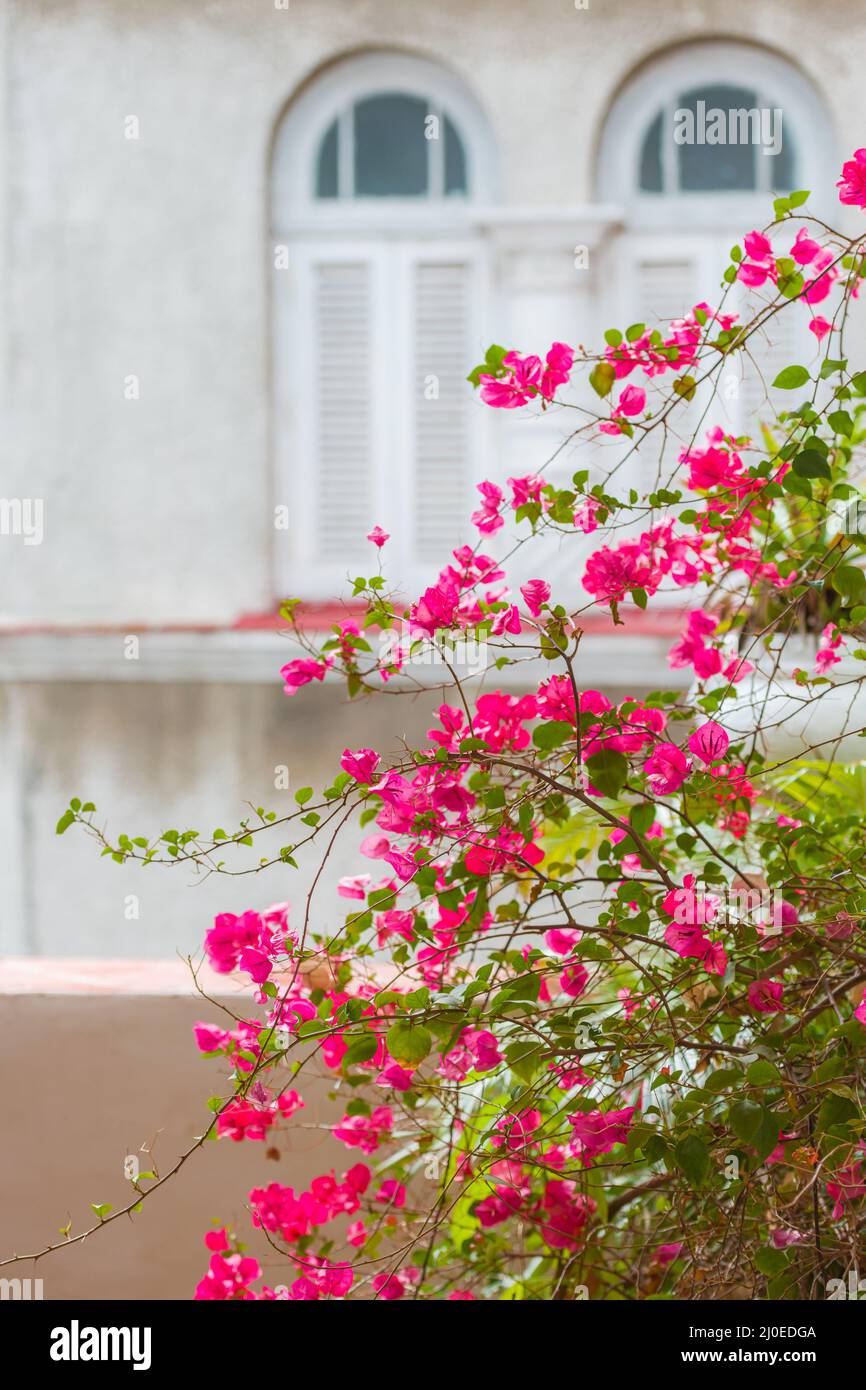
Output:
(86, 1081)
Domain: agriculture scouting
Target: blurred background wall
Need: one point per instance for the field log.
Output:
(248, 252)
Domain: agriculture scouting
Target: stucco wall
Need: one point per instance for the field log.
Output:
(148, 257)
(104, 1076)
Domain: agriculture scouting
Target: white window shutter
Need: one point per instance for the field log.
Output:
(327, 377)
(376, 419)
(343, 352)
(668, 282)
(667, 288)
(786, 340)
(441, 446)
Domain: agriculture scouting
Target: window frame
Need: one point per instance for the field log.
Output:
(659, 84)
(295, 207)
(389, 234)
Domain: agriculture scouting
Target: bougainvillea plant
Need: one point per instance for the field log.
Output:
(594, 1023)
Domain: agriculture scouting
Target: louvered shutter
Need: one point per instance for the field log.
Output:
(667, 287)
(375, 417)
(327, 373)
(668, 283)
(441, 445)
(343, 352)
(786, 340)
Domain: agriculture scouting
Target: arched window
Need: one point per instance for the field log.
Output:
(695, 145)
(377, 167)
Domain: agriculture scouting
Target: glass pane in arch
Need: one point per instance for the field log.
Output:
(455, 160)
(326, 168)
(783, 166)
(651, 158)
(391, 148)
(729, 165)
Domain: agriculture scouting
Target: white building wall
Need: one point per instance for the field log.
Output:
(148, 258)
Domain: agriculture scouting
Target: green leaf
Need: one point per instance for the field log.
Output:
(552, 735)
(850, 582)
(692, 1157)
(811, 464)
(409, 1042)
(745, 1117)
(722, 1079)
(524, 1059)
(836, 1110)
(790, 378)
(607, 771)
(840, 422)
(771, 1262)
(685, 387)
(67, 819)
(602, 377)
(361, 1049)
(763, 1073)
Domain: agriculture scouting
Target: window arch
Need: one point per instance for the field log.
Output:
(378, 167)
(685, 139)
(682, 153)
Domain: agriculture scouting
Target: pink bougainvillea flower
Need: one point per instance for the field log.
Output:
(535, 592)
(228, 937)
(819, 326)
(395, 1077)
(562, 940)
(765, 996)
(860, 1011)
(488, 518)
(527, 377)
(573, 980)
(565, 1211)
(632, 401)
(845, 1186)
(302, 671)
(508, 620)
(666, 769)
(597, 1131)
(356, 1233)
(525, 490)
(360, 764)
(255, 963)
(217, 1240)
(831, 640)
(852, 184)
(760, 264)
(709, 742)
(666, 1254)
(375, 846)
(365, 1132)
(805, 249)
(378, 536)
(228, 1277)
(557, 369)
(392, 1193)
(354, 886)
